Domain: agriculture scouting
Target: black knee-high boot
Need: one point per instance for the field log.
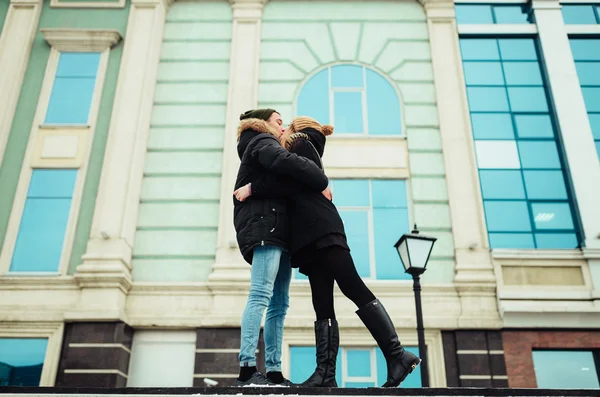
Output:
(327, 338)
(400, 362)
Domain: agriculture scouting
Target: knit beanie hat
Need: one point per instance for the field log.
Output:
(263, 114)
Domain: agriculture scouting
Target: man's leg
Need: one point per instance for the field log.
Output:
(275, 318)
(265, 265)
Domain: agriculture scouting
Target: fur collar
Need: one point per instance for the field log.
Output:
(257, 125)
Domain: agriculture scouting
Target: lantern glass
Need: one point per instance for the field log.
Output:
(418, 251)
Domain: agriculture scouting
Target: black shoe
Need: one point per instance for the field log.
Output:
(400, 363)
(257, 379)
(276, 378)
(327, 338)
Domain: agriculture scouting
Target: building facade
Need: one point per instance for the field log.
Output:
(477, 121)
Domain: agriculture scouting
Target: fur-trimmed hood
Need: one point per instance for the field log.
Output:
(256, 125)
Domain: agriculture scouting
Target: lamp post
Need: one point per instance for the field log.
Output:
(414, 250)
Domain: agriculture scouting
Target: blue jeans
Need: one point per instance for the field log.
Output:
(269, 289)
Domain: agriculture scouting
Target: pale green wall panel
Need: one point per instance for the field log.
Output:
(193, 71)
(186, 138)
(417, 93)
(211, 51)
(186, 115)
(444, 246)
(311, 33)
(276, 92)
(395, 53)
(198, 31)
(178, 219)
(373, 42)
(178, 215)
(284, 71)
(432, 216)
(297, 52)
(346, 38)
(426, 164)
(421, 116)
(336, 11)
(88, 1)
(423, 139)
(429, 189)
(439, 271)
(197, 244)
(414, 71)
(3, 11)
(183, 163)
(199, 188)
(170, 270)
(200, 93)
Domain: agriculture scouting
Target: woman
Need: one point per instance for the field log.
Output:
(262, 228)
(320, 250)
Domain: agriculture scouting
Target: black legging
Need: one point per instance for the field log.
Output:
(335, 263)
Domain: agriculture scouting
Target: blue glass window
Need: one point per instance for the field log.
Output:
(579, 14)
(21, 361)
(375, 214)
(44, 221)
(73, 89)
(587, 57)
(521, 171)
(355, 99)
(579, 369)
(356, 367)
(490, 14)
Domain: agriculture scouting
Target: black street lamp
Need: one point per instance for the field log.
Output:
(414, 251)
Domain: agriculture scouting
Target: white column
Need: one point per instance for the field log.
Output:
(474, 279)
(16, 41)
(242, 95)
(105, 274)
(572, 118)
(574, 125)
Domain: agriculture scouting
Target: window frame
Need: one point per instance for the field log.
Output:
(40, 330)
(364, 107)
(60, 40)
(594, 351)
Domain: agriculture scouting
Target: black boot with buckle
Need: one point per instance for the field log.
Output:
(327, 338)
(400, 362)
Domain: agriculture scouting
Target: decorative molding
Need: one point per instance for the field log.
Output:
(591, 253)
(545, 5)
(53, 331)
(533, 254)
(90, 4)
(104, 276)
(25, 3)
(65, 39)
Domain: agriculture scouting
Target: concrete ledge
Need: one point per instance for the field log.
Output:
(274, 391)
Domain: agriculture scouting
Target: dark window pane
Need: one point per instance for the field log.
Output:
(539, 154)
(588, 72)
(585, 49)
(591, 95)
(522, 73)
(497, 184)
(492, 126)
(579, 14)
(479, 49)
(545, 185)
(483, 73)
(510, 14)
(487, 99)
(511, 240)
(552, 216)
(21, 361)
(347, 76)
(507, 216)
(474, 14)
(534, 126)
(527, 99)
(518, 50)
(556, 241)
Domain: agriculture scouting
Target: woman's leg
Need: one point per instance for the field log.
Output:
(265, 265)
(276, 316)
(341, 266)
(321, 288)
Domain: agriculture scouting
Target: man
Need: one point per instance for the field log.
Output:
(262, 227)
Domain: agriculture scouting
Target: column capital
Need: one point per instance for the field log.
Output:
(25, 3)
(545, 4)
(151, 3)
(441, 10)
(249, 10)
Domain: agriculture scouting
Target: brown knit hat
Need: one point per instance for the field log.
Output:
(302, 122)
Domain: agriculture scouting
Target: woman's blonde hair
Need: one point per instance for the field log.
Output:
(302, 122)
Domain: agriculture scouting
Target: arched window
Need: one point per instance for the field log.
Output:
(355, 99)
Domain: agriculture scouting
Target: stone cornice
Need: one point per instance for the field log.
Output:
(151, 3)
(441, 10)
(545, 4)
(81, 39)
(25, 3)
